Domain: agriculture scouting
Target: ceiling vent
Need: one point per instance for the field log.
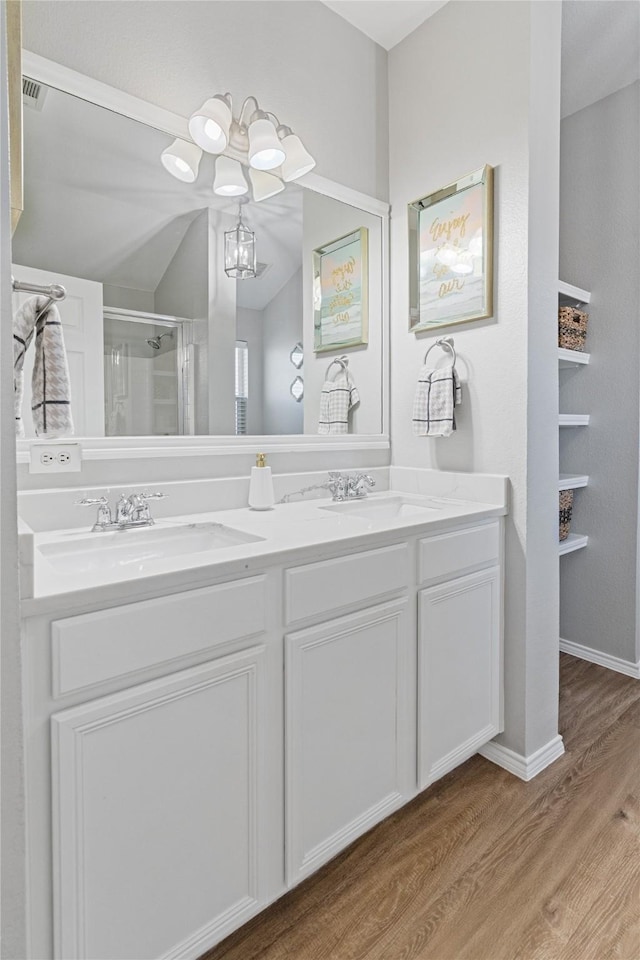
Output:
(261, 268)
(33, 93)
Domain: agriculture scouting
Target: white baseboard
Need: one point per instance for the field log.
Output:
(524, 767)
(627, 667)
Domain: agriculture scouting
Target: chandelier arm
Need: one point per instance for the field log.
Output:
(246, 101)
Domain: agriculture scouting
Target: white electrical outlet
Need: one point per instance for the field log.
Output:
(55, 457)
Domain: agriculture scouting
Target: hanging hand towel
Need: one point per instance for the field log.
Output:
(50, 388)
(339, 396)
(437, 393)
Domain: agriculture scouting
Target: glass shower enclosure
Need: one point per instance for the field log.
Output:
(146, 388)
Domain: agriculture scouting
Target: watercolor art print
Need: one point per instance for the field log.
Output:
(450, 241)
(341, 283)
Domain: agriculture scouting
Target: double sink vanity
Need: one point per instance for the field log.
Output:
(217, 704)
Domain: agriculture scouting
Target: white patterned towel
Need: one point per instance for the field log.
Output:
(50, 390)
(437, 394)
(339, 396)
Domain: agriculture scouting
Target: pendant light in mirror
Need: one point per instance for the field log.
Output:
(240, 250)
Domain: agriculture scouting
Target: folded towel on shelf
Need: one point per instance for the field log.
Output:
(437, 394)
(338, 397)
(50, 387)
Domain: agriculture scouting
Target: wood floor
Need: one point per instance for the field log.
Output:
(485, 867)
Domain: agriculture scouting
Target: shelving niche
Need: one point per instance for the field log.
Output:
(567, 359)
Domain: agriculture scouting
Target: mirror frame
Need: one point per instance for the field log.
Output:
(128, 448)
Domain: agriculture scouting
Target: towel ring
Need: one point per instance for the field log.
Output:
(445, 343)
(344, 363)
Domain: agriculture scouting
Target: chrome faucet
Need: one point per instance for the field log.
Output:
(359, 486)
(131, 511)
(344, 486)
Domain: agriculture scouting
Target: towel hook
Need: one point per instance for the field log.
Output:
(445, 343)
(343, 361)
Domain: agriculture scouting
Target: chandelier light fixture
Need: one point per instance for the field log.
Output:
(255, 142)
(240, 250)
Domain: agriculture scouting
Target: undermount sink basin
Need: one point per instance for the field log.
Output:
(383, 508)
(134, 549)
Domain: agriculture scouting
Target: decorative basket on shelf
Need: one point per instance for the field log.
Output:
(566, 509)
(572, 328)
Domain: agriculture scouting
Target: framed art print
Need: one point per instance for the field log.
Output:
(451, 253)
(340, 292)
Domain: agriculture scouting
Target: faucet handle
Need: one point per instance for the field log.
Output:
(154, 496)
(91, 502)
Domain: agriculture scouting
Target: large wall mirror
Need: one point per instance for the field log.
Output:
(160, 340)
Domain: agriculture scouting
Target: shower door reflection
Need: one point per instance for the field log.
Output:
(143, 375)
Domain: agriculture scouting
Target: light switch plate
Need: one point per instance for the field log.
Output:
(54, 457)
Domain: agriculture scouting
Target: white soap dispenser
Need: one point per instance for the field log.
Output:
(261, 485)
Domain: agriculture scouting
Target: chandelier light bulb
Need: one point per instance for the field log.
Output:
(229, 180)
(264, 184)
(298, 160)
(182, 160)
(265, 149)
(209, 126)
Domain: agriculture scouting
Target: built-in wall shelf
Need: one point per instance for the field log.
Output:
(572, 358)
(573, 420)
(575, 541)
(571, 481)
(573, 293)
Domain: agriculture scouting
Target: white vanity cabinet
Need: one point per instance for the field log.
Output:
(459, 648)
(160, 722)
(192, 755)
(156, 795)
(349, 760)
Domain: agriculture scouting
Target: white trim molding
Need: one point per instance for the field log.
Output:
(627, 667)
(526, 768)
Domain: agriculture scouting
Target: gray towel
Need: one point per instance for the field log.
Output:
(50, 388)
(437, 393)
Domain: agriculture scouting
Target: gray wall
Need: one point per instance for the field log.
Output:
(319, 74)
(600, 251)
(506, 115)
(282, 328)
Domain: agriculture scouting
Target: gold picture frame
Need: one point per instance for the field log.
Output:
(451, 254)
(341, 292)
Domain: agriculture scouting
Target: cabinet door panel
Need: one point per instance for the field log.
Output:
(459, 671)
(347, 723)
(155, 813)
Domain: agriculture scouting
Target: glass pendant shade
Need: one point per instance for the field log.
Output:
(229, 180)
(182, 160)
(264, 184)
(265, 149)
(240, 252)
(209, 126)
(297, 161)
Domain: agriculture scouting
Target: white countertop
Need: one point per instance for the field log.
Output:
(291, 532)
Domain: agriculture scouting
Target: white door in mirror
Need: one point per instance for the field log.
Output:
(55, 458)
